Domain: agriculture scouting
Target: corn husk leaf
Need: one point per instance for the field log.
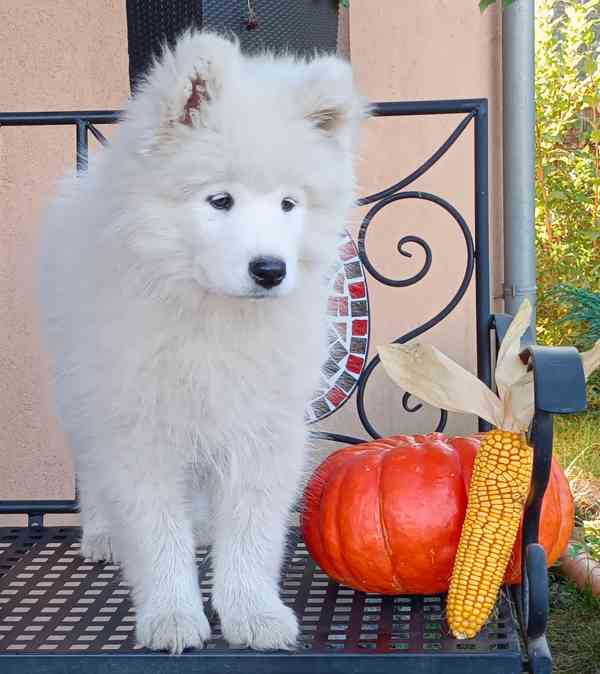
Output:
(511, 374)
(591, 360)
(521, 402)
(436, 379)
(509, 367)
(427, 373)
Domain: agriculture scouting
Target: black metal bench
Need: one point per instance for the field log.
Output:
(59, 613)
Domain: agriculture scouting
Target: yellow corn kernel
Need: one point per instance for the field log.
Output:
(499, 488)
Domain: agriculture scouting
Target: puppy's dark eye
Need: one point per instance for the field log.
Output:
(287, 204)
(222, 201)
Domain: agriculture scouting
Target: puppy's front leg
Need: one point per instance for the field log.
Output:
(156, 548)
(248, 551)
(96, 543)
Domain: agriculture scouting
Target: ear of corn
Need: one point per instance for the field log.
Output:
(497, 494)
(502, 471)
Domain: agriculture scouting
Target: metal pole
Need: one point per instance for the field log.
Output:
(482, 247)
(518, 91)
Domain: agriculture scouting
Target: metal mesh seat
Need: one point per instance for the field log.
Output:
(54, 602)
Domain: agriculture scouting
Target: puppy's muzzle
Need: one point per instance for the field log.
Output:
(267, 272)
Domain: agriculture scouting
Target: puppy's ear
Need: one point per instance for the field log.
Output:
(180, 88)
(197, 94)
(330, 100)
(197, 68)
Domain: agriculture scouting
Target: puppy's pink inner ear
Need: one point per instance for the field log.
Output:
(198, 97)
(327, 119)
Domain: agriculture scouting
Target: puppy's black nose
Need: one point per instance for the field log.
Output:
(268, 272)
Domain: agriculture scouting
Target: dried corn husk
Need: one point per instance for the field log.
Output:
(431, 376)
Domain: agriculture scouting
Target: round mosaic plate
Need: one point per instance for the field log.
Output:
(348, 333)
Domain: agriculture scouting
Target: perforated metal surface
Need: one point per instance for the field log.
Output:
(299, 25)
(54, 602)
(150, 23)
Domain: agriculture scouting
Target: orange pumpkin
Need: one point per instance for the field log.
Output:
(385, 516)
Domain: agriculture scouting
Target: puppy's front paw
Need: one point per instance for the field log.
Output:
(173, 631)
(97, 548)
(268, 627)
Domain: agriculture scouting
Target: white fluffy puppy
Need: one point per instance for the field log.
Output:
(184, 302)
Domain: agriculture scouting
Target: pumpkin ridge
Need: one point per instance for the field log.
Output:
(556, 505)
(346, 568)
(565, 504)
(383, 525)
(324, 549)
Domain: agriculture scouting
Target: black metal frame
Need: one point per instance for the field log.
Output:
(559, 389)
(475, 111)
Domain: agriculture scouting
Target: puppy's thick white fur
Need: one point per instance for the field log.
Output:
(182, 383)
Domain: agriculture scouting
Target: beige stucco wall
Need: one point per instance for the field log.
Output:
(59, 55)
(72, 55)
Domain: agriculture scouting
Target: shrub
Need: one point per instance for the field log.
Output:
(568, 160)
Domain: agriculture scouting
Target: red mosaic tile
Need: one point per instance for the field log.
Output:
(357, 290)
(336, 396)
(355, 364)
(347, 251)
(360, 327)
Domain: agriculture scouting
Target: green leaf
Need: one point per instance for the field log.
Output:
(575, 549)
(592, 234)
(557, 194)
(590, 65)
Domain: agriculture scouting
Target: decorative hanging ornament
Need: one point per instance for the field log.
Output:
(252, 20)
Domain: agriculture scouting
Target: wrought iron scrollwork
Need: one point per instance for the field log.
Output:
(378, 201)
(425, 166)
(456, 298)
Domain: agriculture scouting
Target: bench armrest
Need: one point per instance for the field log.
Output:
(559, 388)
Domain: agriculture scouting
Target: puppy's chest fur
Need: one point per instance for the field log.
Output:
(208, 383)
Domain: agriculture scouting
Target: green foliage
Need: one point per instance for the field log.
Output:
(573, 627)
(583, 311)
(577, 449)
(592, 538)
(582, 318)
(568, 162)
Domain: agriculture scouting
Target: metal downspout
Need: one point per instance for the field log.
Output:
(518, 146)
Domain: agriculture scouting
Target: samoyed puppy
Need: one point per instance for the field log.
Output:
(183, 293)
